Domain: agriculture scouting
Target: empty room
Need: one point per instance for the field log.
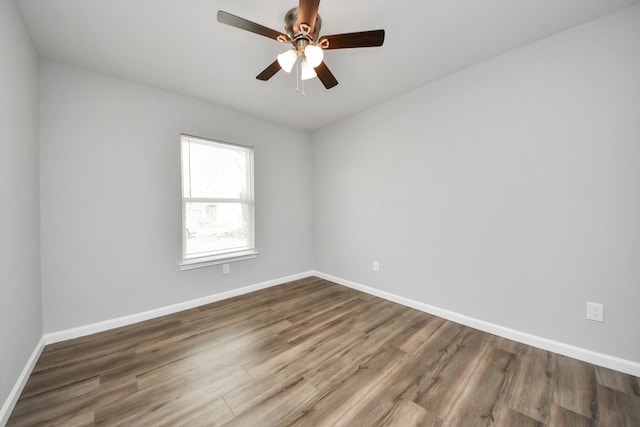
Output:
(307, 213)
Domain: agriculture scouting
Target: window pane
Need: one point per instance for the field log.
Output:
(217, 197)
(216, 172)
(213, 227)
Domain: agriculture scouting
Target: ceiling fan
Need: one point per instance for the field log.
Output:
(302, 26)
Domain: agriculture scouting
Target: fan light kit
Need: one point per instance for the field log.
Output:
(302, 25)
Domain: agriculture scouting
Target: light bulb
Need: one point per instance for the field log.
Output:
(314, 55)
(287, 59)
(307, 71)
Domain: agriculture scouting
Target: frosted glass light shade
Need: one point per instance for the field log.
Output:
(307, 71)
(287, 60)
(314, 55)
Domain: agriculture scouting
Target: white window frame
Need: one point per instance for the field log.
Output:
(222, 256)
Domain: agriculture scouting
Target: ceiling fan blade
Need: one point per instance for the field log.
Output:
(269, 72)
(326, 76)
(349, 40)
(308, 12)
(244, 24)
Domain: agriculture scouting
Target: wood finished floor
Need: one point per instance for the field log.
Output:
(312, 353)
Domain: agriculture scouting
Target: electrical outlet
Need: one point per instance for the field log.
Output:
(376, 266)
(226, 268)
(595, 311)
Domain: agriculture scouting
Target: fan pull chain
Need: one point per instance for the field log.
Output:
(299, 81)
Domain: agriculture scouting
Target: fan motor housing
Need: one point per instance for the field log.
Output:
(293, 30)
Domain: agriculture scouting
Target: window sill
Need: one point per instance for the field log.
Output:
(190, 264)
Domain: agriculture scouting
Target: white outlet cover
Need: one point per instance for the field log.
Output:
(595, 311)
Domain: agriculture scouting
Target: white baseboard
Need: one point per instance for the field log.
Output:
(604, 360)
(14, 395)
(162, 311)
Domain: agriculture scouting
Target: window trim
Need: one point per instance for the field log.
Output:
(193, 263)
(233, 254)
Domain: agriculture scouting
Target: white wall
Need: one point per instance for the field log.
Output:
(110, 166)
(509, 192)
(20, 299)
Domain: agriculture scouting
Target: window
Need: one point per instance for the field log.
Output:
(217, 202)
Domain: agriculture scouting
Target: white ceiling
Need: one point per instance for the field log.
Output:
(178, 45)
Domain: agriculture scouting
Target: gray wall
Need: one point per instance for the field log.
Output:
(110, 196)
(20, 301)
(509, 192)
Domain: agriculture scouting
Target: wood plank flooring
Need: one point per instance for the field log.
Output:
(313, 353)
